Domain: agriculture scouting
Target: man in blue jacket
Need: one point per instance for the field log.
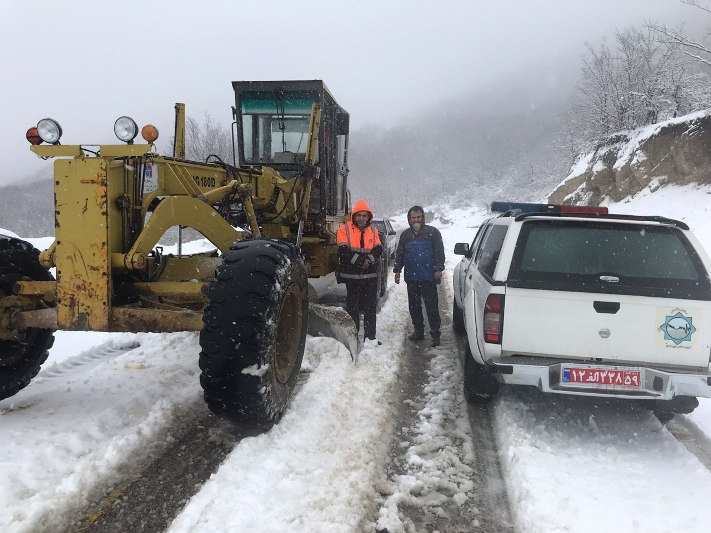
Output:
(421, 252)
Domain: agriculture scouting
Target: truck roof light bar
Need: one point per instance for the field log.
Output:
(635, 218)
(519, 208)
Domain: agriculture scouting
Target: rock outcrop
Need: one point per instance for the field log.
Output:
(676, 151)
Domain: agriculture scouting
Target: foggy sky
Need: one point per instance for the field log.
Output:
(85, 63)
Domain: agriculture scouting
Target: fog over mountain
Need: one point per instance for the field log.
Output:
(488, 126)
(27, 207)
(496, 143)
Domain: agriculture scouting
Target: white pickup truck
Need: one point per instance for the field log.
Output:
(573, 300)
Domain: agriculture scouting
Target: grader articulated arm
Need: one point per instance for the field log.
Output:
(111, 212)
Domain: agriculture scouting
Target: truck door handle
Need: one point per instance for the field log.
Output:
(606, 307)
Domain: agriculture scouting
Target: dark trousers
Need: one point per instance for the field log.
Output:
(427, 291)
(362, 296)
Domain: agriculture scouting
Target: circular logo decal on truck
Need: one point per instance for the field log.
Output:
(678, 328)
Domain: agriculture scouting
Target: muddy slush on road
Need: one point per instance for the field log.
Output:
(443, 472)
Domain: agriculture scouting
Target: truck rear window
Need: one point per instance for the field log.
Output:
(610, 258)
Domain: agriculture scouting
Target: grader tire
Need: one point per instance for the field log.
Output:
(254, 332)
(21, 359)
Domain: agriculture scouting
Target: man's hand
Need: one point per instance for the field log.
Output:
(366, 264)
(397, 277)
(438, 275)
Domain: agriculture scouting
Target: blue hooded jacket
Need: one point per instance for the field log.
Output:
(421, 254)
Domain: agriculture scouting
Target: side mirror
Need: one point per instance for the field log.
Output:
(342, 123)
(461, 248)
(392, 232)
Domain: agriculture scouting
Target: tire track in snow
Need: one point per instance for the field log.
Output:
(149, 500)
(84, 361)
(444, 472)
(565, 458)
(88, 358)
(689, 434)
(153, 495)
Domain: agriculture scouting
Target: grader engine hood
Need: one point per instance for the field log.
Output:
(83, 234)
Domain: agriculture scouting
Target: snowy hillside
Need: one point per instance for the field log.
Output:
(672, 152)
(105, 402)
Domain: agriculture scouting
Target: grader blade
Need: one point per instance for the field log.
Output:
(325, 321)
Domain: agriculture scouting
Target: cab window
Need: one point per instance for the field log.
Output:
(275, 126)
(490, 249)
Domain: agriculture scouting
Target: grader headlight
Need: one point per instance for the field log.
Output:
(125, 129)
(49, 130)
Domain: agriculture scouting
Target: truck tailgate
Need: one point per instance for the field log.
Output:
(580, 325)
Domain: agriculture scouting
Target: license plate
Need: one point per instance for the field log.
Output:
(609, 378)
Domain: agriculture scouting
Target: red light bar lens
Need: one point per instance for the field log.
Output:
(502, 207)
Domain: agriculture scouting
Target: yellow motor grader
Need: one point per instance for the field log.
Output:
(272, 215)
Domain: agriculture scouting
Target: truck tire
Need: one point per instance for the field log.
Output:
(383, 277)
(21, 359)
(254, 332)
(665, 410)
(457, 319)
(480, 385)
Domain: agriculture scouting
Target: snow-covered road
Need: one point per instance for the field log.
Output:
(104, 403)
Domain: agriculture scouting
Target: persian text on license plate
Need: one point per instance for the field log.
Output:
(596, 377)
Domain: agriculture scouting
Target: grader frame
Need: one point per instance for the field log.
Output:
(113, 203)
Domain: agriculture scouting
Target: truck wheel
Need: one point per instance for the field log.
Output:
(383, 277)
(665, 410)
(480, 385)
(664, 416)
(457, 319)
(21, 358)
(254, 332)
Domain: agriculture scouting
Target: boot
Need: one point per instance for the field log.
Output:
(417, 336)
(435, 340)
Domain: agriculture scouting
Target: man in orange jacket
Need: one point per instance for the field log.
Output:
(359, 248)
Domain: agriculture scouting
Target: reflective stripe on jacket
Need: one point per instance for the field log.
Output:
(355, 246)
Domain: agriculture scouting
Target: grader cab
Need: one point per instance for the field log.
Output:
(272, 215)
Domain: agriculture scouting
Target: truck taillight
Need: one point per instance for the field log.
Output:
(494, 318)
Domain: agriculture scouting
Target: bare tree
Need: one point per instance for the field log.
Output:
(695, 50)
(698, 62)
(643, 80)
(205, 139)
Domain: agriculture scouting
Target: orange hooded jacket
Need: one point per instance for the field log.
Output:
(355, 246)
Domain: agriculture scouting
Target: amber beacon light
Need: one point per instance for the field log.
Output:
(149, 132)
